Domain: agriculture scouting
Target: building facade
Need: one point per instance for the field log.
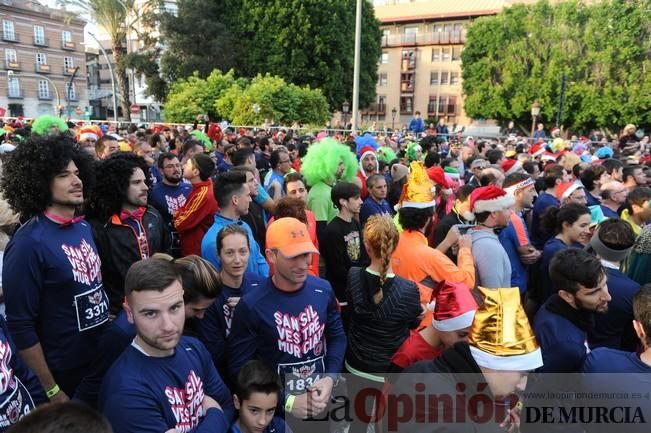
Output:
(43, 63)
(420, 66)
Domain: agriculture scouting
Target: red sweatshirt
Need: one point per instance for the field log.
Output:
(196, 216)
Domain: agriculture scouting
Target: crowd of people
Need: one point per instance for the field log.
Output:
(202, 279)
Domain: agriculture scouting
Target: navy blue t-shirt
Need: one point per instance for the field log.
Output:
(145, 394)
(538, 235)
(20, 390)
(216, 323)
(168, 199)
(53, 292)
(299, 332)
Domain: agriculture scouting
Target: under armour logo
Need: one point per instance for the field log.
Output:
(298, 233)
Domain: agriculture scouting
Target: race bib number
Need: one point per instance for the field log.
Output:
(299, 376)
(92, 308)
(16, 403)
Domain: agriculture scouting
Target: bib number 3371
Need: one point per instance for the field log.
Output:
(92, 308)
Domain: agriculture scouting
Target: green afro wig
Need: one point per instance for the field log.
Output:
(43, 125)
(412, 149)
(199, 135)
(322, 160)
(386, 154)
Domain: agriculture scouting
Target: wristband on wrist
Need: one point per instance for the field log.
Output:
(289, 404)
(53, 391)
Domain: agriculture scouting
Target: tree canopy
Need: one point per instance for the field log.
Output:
(243, 101)
(305, 42)
(520, 55)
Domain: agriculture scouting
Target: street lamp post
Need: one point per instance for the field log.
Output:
(56, 91)
(108, 62)
(393, 118)
(535, 112)
(344, 108)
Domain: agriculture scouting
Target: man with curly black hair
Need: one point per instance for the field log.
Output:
(56, 304)
(125, 227)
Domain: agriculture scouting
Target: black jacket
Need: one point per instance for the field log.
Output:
(119, 248)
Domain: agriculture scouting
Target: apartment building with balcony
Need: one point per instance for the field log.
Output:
(420, 66)
(43, 60)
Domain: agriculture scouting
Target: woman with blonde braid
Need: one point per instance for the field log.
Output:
(383, 308)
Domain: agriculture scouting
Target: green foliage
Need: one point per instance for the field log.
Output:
(521, 54)
(307, 42)
(196, 95)
(197, 39)
(245, 102)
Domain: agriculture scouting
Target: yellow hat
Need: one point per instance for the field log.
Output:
(417, 192)
(501, 337)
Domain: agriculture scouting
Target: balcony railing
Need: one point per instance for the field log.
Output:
(375, 108)
(9, 37)
(44, 96)
(13, 65)
(430, 38)
(15, 93)
(44, 69)
(69, 45)
(41, 42)
(68, 71)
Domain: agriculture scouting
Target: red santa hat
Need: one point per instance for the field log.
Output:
(488, 199)
(454, 306)
(511, 166)
(537, 150)
(89, 132)
(215, 132)
(548, 156)
(565, 189)
(367, 150)
(437, 175)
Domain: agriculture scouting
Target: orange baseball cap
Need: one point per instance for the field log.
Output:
(290, 237)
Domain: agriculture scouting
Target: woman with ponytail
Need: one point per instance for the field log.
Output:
(571, 227)
(383, 308)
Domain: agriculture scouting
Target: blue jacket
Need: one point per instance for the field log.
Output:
(538, 235)
(614, 329)
(416, 125)
(257, 264)
(562, 334)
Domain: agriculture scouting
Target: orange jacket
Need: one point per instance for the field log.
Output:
(427, 267)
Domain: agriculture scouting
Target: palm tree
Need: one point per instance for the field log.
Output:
(117, 18)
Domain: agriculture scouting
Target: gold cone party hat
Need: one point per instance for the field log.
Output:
(501, 337)
(417, 192)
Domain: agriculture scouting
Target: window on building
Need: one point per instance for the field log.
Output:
(382, 79)
(39, 35)
(10, 55)
(431, 105)
(8, 30)
(66, 36)
(445, 54)
(452, 105)
(442, 103)
(444, 77)
(13, 86)
(381, 103)
(436, 54)
(68, 62)
(406, 104)
(454, 78)
(410, 34)
(456, 54)
(384, 58)
(407, 82)
(71, 91)
(41, 59)
(43, 89)
(433, 78)
(408, 60)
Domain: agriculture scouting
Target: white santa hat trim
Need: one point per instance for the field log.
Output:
(494, 205)
(516, 167)
(418, 205)
(361, 166)
(520, 185)
(525, 362)
(570, 189)
(456, 323)
(88, 135)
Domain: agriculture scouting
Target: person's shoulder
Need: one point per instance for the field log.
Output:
(607, 360)
(317, 284)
